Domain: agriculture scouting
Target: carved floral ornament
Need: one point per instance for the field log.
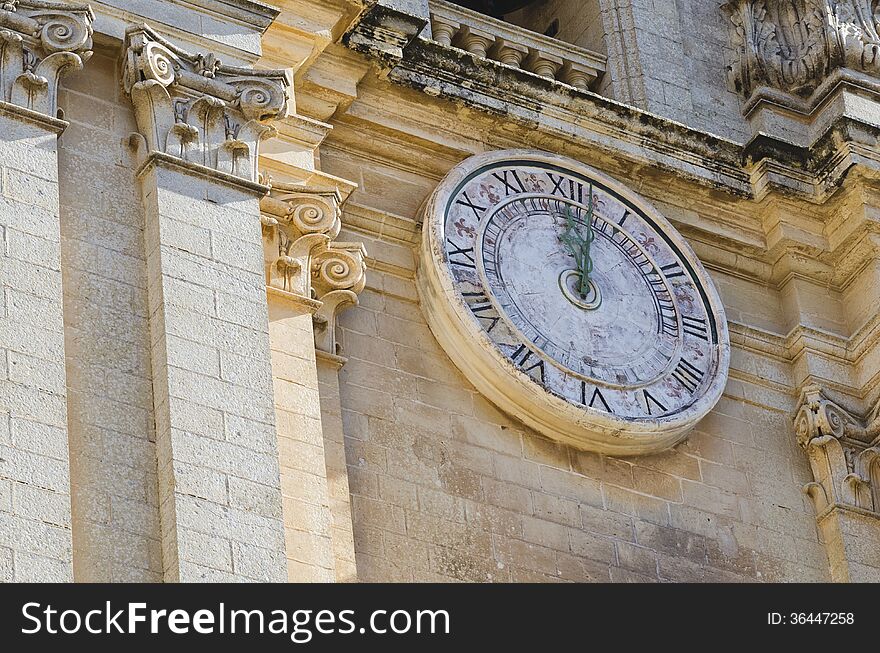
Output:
(195, 108)
(792, 45)
(844, 453)
(303, 260)
(39, 42)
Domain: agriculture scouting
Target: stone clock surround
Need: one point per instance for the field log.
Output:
(497, 377)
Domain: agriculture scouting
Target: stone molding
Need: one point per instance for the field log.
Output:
(195, 109)
(39, 42)
(385, 28)
(252, 12)
(844, 453)
(304, 262)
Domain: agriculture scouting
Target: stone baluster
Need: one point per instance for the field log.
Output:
(576, 75)
(476, 41)
(543, 64)
(510, 54)
(444, 30)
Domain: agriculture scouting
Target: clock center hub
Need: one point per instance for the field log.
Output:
(569, 283)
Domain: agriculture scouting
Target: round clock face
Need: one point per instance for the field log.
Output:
(571, 303)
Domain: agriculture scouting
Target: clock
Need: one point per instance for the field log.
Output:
(571, 303)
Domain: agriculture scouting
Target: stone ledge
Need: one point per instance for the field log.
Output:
(521, 96)
(840, 507)
(157, 159)
(55, 125)
(304, 304)
(253, 12)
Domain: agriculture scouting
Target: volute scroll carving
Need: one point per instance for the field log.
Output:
(843, 452)
(40, 42)
(303, 259)
(196, 109)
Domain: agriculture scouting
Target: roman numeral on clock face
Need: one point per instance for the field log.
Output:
(596, 400)
(567, 188)
(511, 181)
(688, 375)
(650, 400)
(696, 327)
(672, 270)
(528, 362)
(478, 210)
(482, 309)
(466, 255)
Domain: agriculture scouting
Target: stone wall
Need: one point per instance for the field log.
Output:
(107, 337)
(221, 416)
(446, 487)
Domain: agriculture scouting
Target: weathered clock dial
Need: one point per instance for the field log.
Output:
(571, 303)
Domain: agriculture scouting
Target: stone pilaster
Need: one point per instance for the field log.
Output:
(844, 453)
(200, 125)
(310, 277)
(39, 42)
(338, 488)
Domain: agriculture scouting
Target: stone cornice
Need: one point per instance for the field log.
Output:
(253, 12)
(148, 160)
(540, 103)
(332, 360)
(26, 115)
(40, 42)
(813, 172)
(384, 30)
(194, 108)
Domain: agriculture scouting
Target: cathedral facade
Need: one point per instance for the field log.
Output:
(432, 291)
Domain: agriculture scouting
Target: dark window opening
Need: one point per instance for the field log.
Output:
(496, 8)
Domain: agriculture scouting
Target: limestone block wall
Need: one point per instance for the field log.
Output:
(446, 487)
(35, 540)
(306, 504)
(279, 458)
(107, 339)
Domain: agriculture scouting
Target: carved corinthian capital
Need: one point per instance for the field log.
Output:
(39, 42)
(195, 109)
(304, 261)
(843, 451)
(792, 46)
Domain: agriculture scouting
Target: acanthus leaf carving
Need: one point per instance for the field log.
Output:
(303, 259)
(198, 110)
(39, 42)
(844, 461)
(792, 46)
